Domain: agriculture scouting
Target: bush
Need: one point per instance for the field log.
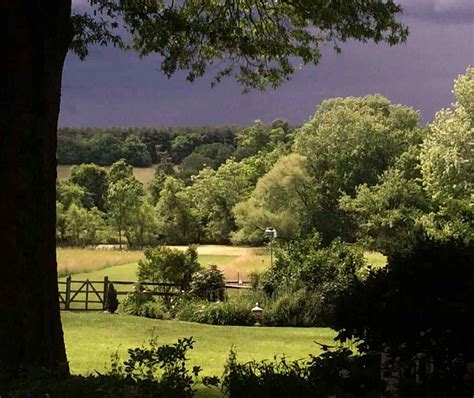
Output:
(134, 302)
(152, 310)
(234, 312)
(300, 308)
(208, 284)
(166, 265)
(152, 371)
(255, 280)
(417, 307)
(338, 374)
(307, 278)
(111, 302)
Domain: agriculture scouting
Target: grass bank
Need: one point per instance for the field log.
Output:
(92, 337)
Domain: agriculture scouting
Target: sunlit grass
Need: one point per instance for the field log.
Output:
(376, 259)
(76, 261)
(92, 337)
(122, 265)
(143, 174)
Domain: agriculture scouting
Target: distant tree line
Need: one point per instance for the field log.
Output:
(142, 146)
(362, 170)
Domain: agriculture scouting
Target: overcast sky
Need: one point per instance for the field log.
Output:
(112, 88)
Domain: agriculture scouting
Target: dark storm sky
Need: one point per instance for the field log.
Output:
(113, 88)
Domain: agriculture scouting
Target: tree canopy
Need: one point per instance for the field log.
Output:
(254, 41)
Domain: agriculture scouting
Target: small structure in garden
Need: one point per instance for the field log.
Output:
(257, 314)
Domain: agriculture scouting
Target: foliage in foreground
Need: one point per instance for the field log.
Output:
(333, 373)
(338, 373)
(416, 309)
(149, 371)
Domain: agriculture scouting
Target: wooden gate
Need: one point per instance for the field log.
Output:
(83, 295)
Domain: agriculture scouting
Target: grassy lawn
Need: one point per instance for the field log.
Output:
(143, 174)
(92, 337)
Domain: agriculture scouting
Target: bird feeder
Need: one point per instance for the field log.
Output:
(270, 232)
(257, 313)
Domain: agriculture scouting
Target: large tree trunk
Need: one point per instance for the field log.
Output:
(34, 37)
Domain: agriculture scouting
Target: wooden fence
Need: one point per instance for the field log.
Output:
(80, 295)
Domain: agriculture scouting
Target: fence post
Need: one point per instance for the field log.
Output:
(106, 292)
(68, 293)
(87, 294)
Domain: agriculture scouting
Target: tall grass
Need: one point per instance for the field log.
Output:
(75, 261)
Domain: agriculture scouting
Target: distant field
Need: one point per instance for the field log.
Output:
(143, 174)
(94, 265)
(122, 265)
(74, 261)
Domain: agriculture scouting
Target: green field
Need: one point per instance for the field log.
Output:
(92, 337)
(143, 174)
(74, 261)
(94, 265)
(122, 265)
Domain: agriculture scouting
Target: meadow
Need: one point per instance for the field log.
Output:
(235, 262)
(73, 261)
(109, 333)
(143, 174)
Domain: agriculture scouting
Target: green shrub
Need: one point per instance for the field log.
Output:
(255, 280)
(134, 302)
(166, 265)
(111, 301)
(337, 373)
(153, 310)
(208, 284)
(307, 278)
(150, 371)
(299, 308)
(234, 312)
